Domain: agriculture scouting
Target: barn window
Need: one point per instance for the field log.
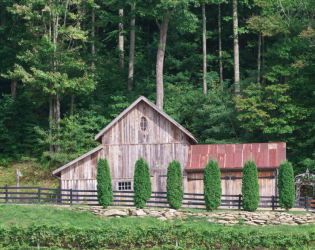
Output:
(124, 185)
(143, 124)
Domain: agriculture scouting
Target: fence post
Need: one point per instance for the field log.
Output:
(39, 195)
(70, 197)
(306, 203)
(6, 194)
(239, 201)
(273, 202)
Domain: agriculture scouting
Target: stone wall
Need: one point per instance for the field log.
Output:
(223, 218)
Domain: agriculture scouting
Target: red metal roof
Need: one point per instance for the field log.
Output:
(234, 155)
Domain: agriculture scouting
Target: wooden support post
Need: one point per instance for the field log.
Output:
(306, 203)
(6, 194)
(70, 197)
(17, 182)
(239, 201)
(273, 202)
(38, 195)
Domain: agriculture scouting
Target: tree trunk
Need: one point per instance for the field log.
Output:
(58, 120)
(236, 50)
(72, 107)
(263, 58)
(204, 48)
(159, 63)
(132, 50)
(220, 45)
(93, 44)
(3, 14)
(51, 120)
(13, 88)
(121, 43)
(259, 55)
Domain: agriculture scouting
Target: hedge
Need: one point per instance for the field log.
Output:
(164, 234)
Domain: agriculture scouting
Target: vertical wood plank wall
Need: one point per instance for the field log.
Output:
(124, 143)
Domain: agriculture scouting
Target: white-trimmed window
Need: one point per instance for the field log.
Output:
(125, 185)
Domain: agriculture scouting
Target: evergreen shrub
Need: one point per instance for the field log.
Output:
(105, 194)
(250, 186)
(212, 185)
(141, 183)
(286, 185)
(174, 185)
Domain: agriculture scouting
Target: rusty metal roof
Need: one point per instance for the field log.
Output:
(233, 156)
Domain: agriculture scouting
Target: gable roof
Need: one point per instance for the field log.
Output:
(142, 98)
(77, 159)
(233, 156)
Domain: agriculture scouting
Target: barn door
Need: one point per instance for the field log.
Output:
(231, 183)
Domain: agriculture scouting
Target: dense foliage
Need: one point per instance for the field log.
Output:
(250, 186)
(286, 187)
(174, 185)
(63, 77)
(212, 185)
(104, 187)
(189, 237)
(141, 183)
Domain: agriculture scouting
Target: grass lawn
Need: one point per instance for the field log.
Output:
(25, 215)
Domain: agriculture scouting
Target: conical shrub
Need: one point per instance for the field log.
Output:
(105, 194)
(286, 187)
(141, 184)
(174, 185)
(212, 185)
(250, 186)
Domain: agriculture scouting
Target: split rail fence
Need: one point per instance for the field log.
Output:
(38, 195)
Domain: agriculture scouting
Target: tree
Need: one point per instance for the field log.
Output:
(212, 185)
(141, 183)
(236, 49)
(163, 12)
(286, 187)
(174, 185)
(105, 194)
(54, 67)
(204, 48)
(121, 42)
(131, 50)
(250, 186)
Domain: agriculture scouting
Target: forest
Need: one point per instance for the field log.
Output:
(229, 71)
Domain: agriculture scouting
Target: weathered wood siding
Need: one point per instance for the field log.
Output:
(124, 143)
(233, 186)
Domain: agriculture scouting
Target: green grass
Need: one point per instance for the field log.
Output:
(25, 215)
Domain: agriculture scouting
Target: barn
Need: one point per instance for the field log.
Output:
(143, 130)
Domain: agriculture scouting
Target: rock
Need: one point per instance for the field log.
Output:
(168, 214)
(115, 212)
(234, 222)
(300, 221)
(227, 218)
(229, 225)
(172, 210)
(117, 216)
(140, 213)
(147, 211)
(263, 218)
(250, 223)
(178, 213)
(162, 218)
(211, 220)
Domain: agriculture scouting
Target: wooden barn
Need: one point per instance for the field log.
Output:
(143, 130)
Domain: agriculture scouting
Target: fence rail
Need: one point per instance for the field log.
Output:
(125, 198)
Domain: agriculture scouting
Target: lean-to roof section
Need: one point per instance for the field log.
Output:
(233, 156)
(57, 171)
(142, 98)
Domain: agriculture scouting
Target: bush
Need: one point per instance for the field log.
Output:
(141, 183)
(250, 186)
(105, 194)
(174, 185)
(286, 185)
(212, 185)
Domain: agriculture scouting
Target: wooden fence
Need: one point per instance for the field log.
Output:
(38, 195)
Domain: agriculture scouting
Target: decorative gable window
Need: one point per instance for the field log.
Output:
(124, 185)
(143, 124)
